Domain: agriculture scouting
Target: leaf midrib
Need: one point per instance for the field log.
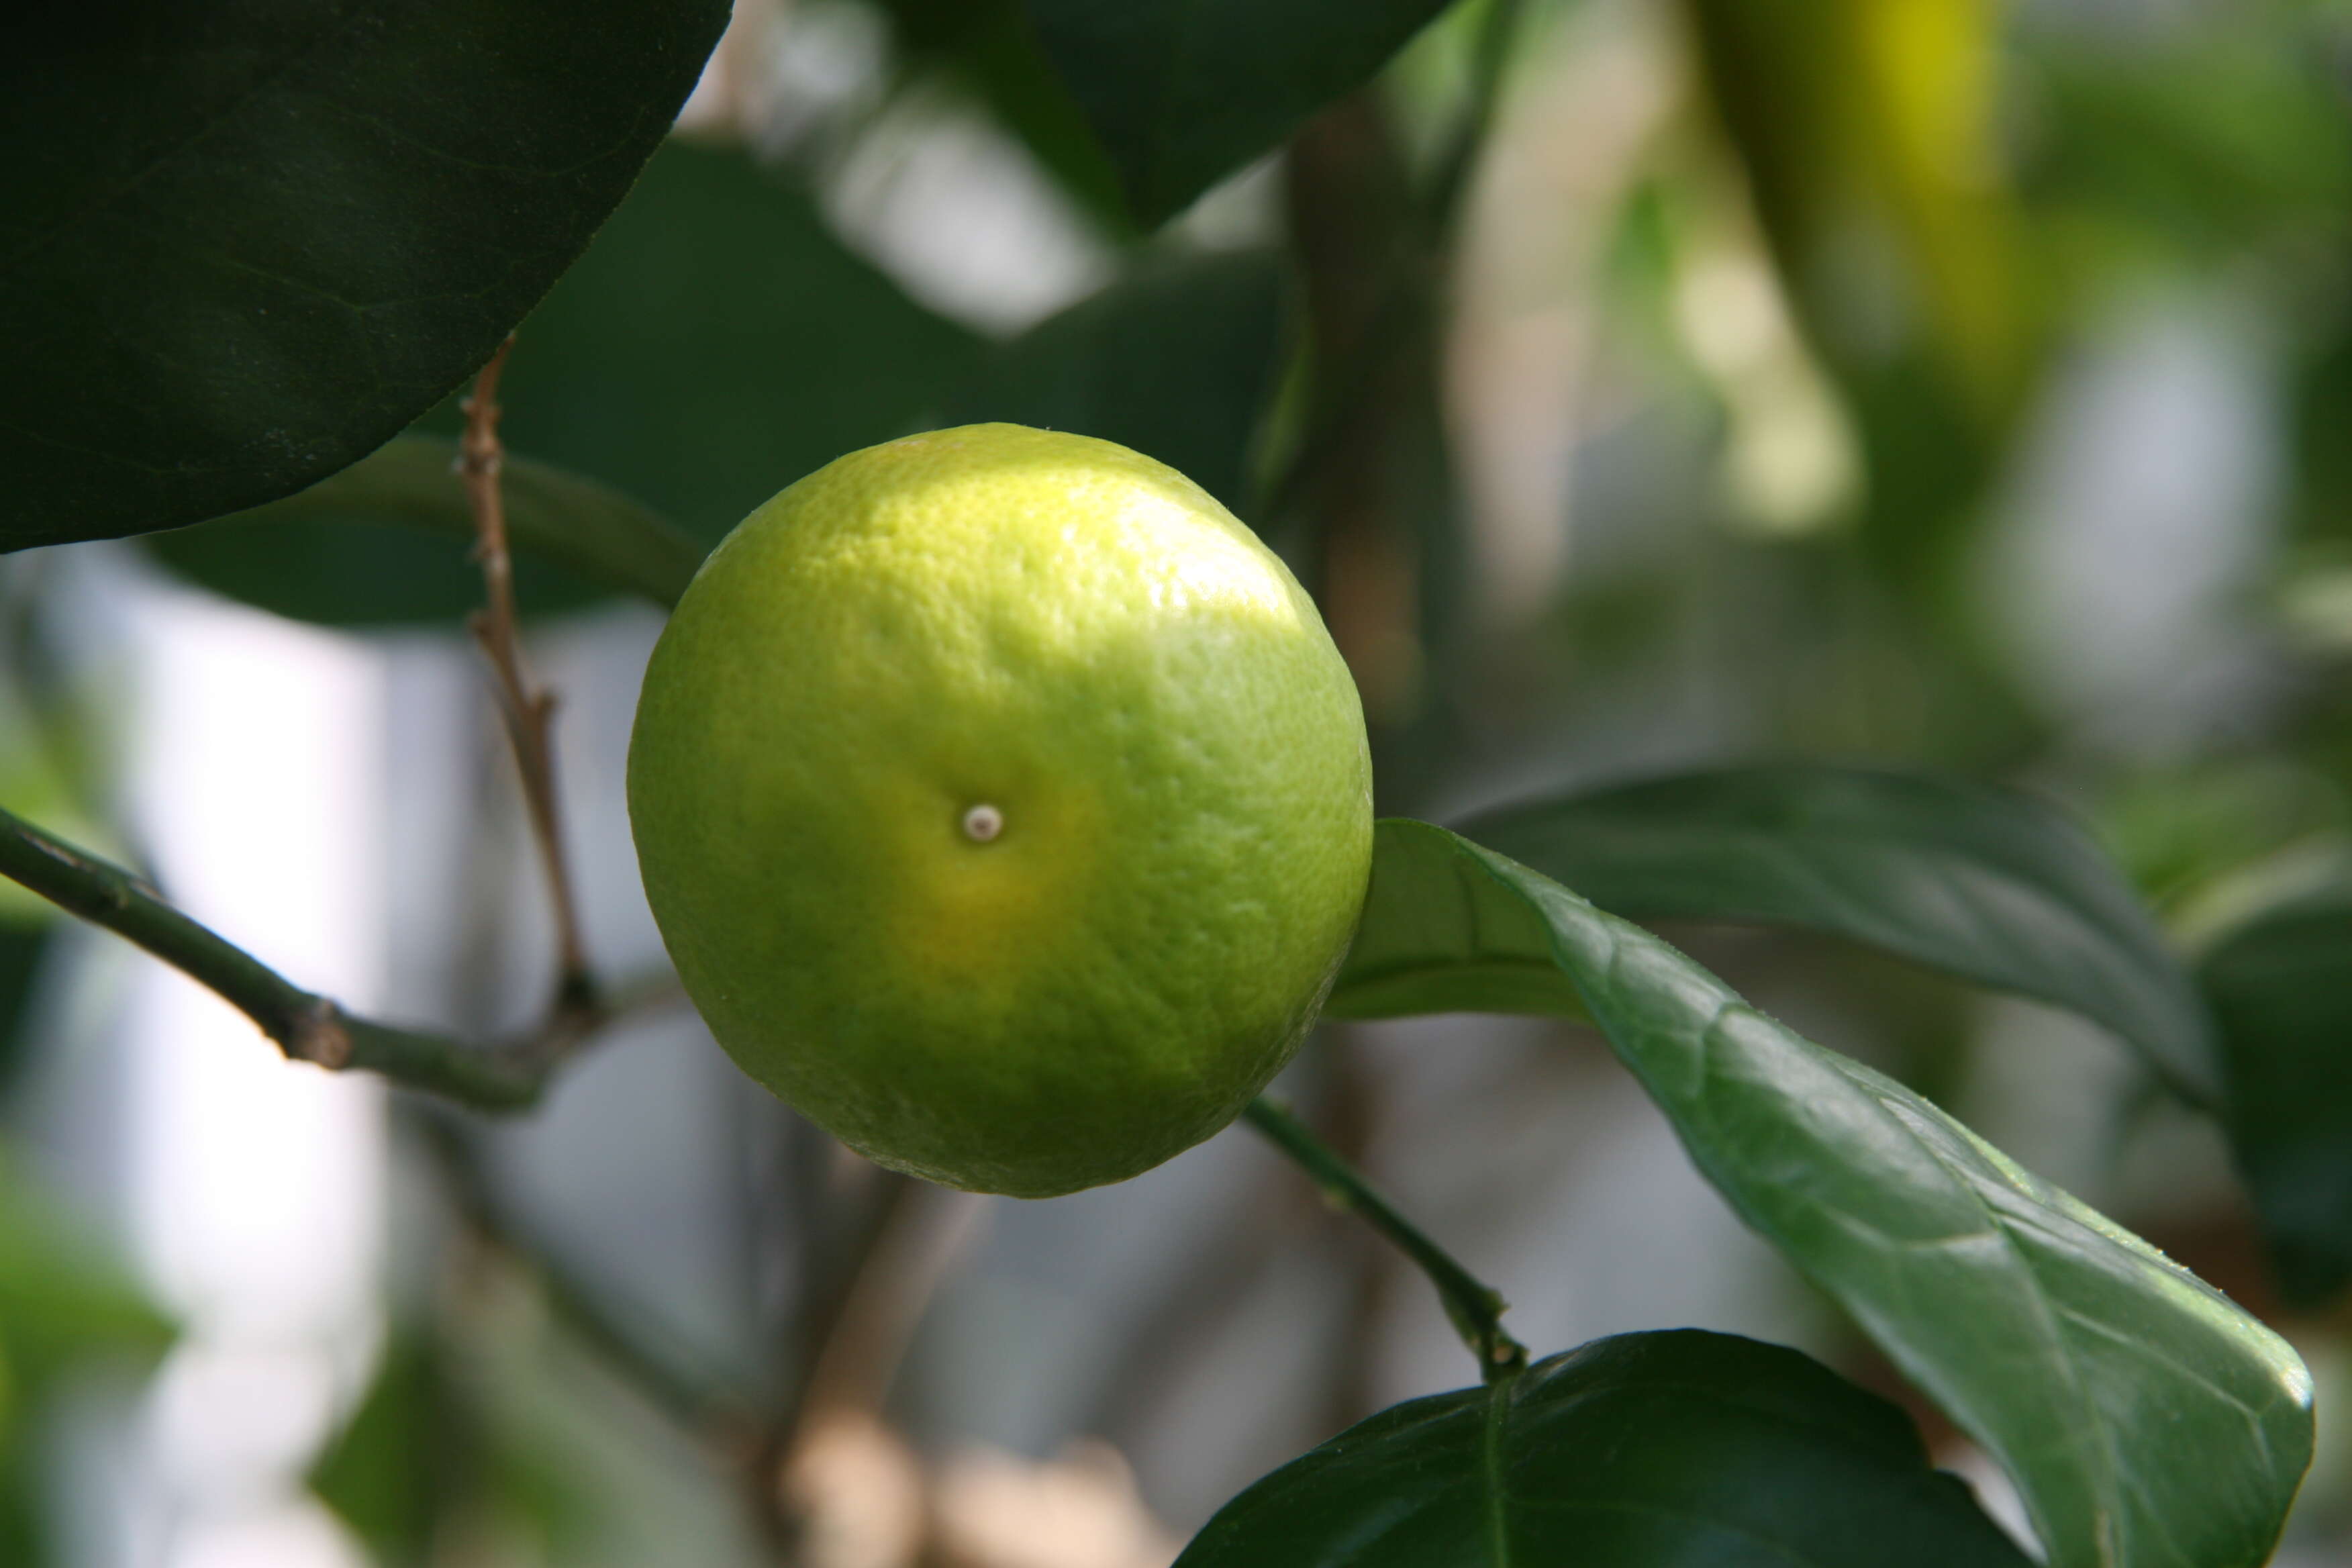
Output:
(2102, 1480)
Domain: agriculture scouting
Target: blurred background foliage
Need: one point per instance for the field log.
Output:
(1639, 385)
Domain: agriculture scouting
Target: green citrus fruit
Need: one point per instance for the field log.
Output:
(1004, 804)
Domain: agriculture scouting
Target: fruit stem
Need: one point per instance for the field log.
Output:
(1476, 1308)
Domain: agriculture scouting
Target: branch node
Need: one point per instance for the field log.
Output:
(317, 1035)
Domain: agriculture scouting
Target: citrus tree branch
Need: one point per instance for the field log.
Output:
(506, 1075)
(1476, 1308)
(528, 712)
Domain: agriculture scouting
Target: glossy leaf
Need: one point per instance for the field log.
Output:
(1176, 360)
(1989, 884)
(247, 242)
(1642, 1451)
(390, 540)
(2281, 988)
(1182, 92)
(716, 343)
(2145, 1418)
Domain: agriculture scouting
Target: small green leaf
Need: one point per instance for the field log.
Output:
(390, 540)
(1176, 360)
(2281, 987)
(1642, 1451)
(1985, 883)
(716, 343)
(1182, 92)
(2144, 1417)
(247, 242)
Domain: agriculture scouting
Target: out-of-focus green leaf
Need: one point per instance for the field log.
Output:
(2177, 832)
(1176, 360)
(1863, 123)
(245, 242)
(1871, 136)
(1184, 92)
(62, 1299)
(2280, 986)
(408, 1444)
(2145, 1418)
(716, 343)
(2212, 135)
(1986, 883)
(390, 540)
(427, 1455)
(1643, 1451)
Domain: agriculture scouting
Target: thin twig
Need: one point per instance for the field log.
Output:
(505, 1076)
(1475, 1310)
(529, 713)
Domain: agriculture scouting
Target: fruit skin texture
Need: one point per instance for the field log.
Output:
(1080, 637)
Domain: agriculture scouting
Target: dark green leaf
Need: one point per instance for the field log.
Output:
(410, 1444)
(1642, 1451)
(23, 1537)
(2281, 988)
(1986, 883)
(1182, 92)
(2145, 1418)
(1176, 360)
(245, 243)
(21, 947)
(716, 343)
(390, 540)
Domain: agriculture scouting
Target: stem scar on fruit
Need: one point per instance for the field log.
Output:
(982, 823)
